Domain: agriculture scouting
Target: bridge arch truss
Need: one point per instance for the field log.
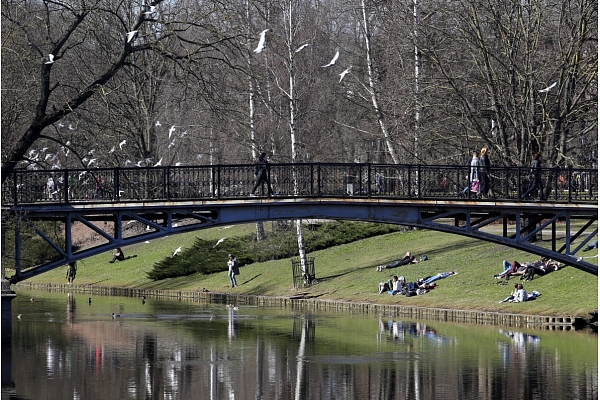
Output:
(571, 226)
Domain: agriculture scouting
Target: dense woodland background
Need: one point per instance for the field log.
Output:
(427, 82)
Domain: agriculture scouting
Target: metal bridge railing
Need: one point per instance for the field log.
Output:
(397, 181)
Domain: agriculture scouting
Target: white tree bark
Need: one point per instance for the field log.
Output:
(292, 124)
(373, 89)
(260, 229)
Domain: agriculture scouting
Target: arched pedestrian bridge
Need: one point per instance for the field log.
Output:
(163, 201)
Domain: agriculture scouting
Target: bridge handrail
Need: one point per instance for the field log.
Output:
(226, 181)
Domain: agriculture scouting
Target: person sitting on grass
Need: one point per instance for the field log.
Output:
(517, 295)
(388, 285)
(407, 259)
(118, 255)
(398, 285)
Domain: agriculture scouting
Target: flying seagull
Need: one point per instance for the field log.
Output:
(546, 90)
(131, 35)
(261, 42)
(219, 242)
(149, 10)
(157, 123)
(171, 130)
(111, 150)
(50, 59)
(122, 144)
(333, 60)
(159, 163)
(343, 74)
(299, 49)
(177, 250)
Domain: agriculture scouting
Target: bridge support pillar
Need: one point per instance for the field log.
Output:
(7, 298)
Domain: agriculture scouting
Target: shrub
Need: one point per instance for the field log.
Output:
(204, 258)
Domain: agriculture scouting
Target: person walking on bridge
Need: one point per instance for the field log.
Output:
(535, 175)
(484, 173)
(262, 173)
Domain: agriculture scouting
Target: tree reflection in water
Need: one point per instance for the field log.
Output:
(187, 349)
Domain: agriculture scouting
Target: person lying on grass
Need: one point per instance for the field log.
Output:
(407, 259)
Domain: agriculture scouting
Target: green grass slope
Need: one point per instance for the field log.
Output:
(348, 273)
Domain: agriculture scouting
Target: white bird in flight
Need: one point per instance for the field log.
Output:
(171, 144)
(157, 123)
(261, 42)
(343, 74)
(111, 150)
(149, 10)
(122, 144)
(333, 60)
(50, 59)
(171, 130)
(159, 163)
(546, 90)
(299, 49)
(219, 242)
(177, 250)
(131, 35)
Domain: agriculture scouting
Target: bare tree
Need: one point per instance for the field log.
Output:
(77, 48)
(500, 93)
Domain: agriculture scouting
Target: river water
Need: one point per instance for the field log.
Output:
(66, 348)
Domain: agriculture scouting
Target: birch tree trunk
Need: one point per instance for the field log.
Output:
(373, 89)
(260, 229)
(293, 131)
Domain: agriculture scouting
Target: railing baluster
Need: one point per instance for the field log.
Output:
(399, 181)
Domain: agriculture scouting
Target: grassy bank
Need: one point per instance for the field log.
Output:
(347, 273)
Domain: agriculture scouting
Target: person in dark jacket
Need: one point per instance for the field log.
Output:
(407, 259)
(535, 175)
(262, 174)
(484, 173)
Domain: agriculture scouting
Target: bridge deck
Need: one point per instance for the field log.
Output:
(420, 196)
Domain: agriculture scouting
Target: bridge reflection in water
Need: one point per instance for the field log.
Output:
(170, 200)
(184, 349)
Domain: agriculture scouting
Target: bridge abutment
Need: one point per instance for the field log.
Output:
(7, 297)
